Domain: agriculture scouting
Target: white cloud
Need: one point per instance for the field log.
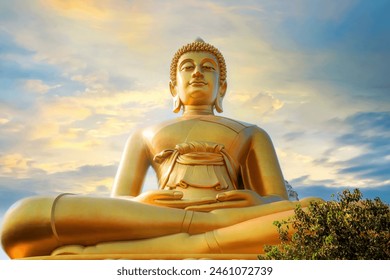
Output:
(38, 86)
(253, 108)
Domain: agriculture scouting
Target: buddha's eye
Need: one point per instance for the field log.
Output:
(187, 67)
(208, 67)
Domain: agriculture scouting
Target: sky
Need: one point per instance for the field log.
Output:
(77, 77)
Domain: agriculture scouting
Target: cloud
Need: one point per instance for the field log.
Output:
(265, 102)
(252, 108)
(94, 115)
(14, 163)
(85, 10)
(358, 156)
(87, 179)
(75, 41)
(327, 193)
(368, 128)
(64, 111)
(372, 131)
(4, 120)
(326, 188)
(38, 86)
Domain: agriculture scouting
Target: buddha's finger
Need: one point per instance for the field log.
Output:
(239, 195)
(151, 196)
(167, 195)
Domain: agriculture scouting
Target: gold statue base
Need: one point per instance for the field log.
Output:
(148, 257)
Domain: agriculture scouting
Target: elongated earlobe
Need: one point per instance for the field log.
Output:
(176, 100)
(176, 104)
(218, 104)
(220, 96)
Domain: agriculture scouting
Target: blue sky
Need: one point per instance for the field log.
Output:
(77, 77)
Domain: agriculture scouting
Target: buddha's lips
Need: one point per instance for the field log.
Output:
(198, 83)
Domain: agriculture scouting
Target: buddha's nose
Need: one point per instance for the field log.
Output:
(197, 72)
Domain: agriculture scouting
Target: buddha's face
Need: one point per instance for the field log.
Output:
(197, 79)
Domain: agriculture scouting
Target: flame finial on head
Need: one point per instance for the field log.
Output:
(198, 39)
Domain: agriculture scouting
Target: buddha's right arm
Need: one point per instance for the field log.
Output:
(132, 168)
(261, 170)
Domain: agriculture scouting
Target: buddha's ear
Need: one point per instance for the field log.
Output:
(222, 89)
(176, 100)
(220, 96)
(172, 88)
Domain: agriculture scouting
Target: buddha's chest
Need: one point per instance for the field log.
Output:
(189, 131)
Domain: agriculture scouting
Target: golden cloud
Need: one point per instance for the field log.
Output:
(101, 186)
(110, 127)
(86, 9)
(15, 164)
(3, 121)
(65, 111)
(121, 21)
(67, 125)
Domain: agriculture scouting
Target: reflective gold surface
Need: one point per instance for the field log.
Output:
(220, 185)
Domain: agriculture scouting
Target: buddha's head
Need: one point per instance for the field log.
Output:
(198, 76)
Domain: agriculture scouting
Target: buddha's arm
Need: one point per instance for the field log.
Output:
(261, 170)
(132, 168)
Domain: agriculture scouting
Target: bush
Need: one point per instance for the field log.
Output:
(349, 228)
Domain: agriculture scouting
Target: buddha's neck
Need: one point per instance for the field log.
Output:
(193, 110)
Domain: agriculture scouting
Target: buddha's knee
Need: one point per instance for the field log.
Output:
(27, 223)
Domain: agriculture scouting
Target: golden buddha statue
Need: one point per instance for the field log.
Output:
(220, 184)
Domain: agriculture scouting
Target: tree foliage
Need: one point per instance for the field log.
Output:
(348, 228)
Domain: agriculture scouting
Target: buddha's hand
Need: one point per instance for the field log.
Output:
(170, 198)
(232, 199)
